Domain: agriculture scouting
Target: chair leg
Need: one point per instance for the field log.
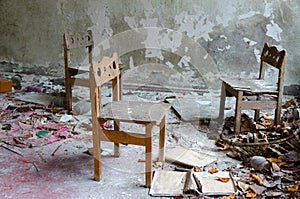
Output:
(148, 144)
(68, 90)
(162, 140)
(256, 114)
(117, 145)
(97, 153)
(222, 104)
(238, 112)
(277, 112)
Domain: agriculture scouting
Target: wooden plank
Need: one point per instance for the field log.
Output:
(187, 157)
(78, 40)
(236, 83)
(259, 105)
(79, 82)
(85, 68)
(222, 104)
(162, 140)
(251, 85)
(106, 70)
(148, 143)
(122, 137)
(135, 112)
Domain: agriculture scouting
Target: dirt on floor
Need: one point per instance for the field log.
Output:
(45, 151)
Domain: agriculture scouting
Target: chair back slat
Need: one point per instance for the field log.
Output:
(272, 56)
(106, 70)
(78, 40)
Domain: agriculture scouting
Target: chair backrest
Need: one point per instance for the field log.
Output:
(273, 57)
(106, 70)
(78, 40)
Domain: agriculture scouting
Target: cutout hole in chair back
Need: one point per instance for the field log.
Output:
(106, 70)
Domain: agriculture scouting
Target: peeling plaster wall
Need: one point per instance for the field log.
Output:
(200, 40)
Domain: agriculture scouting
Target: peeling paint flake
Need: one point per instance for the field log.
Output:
(169, 64)
(248, 15)
(195, 26)
(149, 22)
(184, 61)
(249, 41)
(273, 31)
(131, 63)
(205, 56)
(268, 9)
(158, 39)
(131, 22)
(223, 37)
(257, 54)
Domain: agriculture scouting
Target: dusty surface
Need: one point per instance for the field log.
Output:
(64, 169)
(69, 172)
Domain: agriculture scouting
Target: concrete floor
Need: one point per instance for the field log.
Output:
(69, 172)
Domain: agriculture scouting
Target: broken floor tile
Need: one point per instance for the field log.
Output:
(187, 157)
(211, 185)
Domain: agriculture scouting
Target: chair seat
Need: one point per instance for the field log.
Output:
(81, 69)
(251, 85)
(137, 112)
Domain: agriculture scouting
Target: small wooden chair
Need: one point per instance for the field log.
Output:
(76, 41)
(266, 96)
(145, 113)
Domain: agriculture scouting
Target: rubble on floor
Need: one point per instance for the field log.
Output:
(263, 160)
(270, 153)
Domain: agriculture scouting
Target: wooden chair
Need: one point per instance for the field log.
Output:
(80, 40)
(266, 96)
(147, 114)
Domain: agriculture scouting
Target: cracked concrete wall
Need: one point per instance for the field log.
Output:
(198, 39)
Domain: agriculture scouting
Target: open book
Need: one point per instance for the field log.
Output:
(175, 183)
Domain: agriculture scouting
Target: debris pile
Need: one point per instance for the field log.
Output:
(29, 125)
(270, 154)
(33, 115)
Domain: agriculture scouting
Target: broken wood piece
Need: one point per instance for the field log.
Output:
(11, 150)
(29, 161)
(56, 150)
